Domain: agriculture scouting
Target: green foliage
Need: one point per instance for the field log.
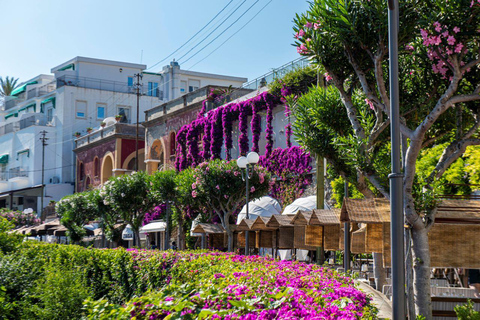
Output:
(59, 294)
(7, 85)
(8, 241)
(219, 188)
(472, 165)
(467, 311)
(75, 211)
(129, 197)
(298, 80)
(338, 186)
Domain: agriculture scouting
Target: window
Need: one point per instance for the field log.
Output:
(193, 85)
(124, 111)
(183, 86)
(49, 114)
(101, 107)
(172, 143)
(130, 81)
(81, 109)
(152, 89)
(81, 172)
(96, 167)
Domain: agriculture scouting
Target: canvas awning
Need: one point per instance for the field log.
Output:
(305, 204)
(262, 207)
(70, 66)
(22, 88)
(156, 226)
(4, 158)
(13, 114)
(31, 105)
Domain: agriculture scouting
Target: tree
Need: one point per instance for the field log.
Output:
(75, 211)
(439, 81)
(130, 197)
(163, 189)
(221, 189)
(7, 85)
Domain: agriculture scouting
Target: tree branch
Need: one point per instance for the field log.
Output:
(428, 142)
(376, 183)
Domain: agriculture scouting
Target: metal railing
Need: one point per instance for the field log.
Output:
(118, 128)
(37, 119)
(18, 172)
(279, 72)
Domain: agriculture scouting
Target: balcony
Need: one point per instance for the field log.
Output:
(98, 84)
(34, 119)
(12, 101)
(121, 130)
(18, 172)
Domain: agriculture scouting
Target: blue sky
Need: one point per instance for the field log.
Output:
(39, 35)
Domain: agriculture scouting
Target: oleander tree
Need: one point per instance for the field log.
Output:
(130, 197)
(439, 94)
(220, 188)
(75, 211)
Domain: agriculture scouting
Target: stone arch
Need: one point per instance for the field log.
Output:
(81, 171)
(129, 161)
(88, 183)
(107, 167)
(173, 143)
(156, 155)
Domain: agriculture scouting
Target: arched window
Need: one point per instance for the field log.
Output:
(173, 146)
(81, 172)
(96, 167)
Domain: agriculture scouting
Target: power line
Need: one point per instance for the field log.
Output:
(232, 34)
(217, 35)
(228, 17)
(171, 54)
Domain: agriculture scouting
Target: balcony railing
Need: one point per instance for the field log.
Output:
(36, 119)
(18, 172)
(277, 73)
(12, 101)
(123, 129)
(4, 175)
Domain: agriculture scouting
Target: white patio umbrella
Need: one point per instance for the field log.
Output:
(306, 204)
(262, 207)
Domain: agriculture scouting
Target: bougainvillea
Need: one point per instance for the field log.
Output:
(255, 124)
(242, 127)
(291, 169)
(227, 286)
(155, 214)
(216, 134)
(227, 126)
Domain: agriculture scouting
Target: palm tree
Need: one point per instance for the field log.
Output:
(7, 86)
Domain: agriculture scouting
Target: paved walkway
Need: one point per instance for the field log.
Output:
(383, 304)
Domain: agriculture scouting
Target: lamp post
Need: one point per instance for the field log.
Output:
(247, 163)
(396, 177)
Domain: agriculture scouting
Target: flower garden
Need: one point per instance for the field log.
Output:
(59, 282)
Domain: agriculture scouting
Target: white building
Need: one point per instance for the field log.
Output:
(81, 93)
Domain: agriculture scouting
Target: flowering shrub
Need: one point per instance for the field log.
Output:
(227, 286)
(291, 169)
(20, 218)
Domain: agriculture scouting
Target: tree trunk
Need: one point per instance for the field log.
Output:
(421, 268)
(136, 241)
(230, 240)
(379, 272)
(181, 233)
(409, 274)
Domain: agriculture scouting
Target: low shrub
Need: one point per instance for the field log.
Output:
(51, 281)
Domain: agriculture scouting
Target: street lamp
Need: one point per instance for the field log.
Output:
(247, 163)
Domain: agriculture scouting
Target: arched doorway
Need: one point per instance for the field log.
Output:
(156, 156)
(129, 162)
(107, 167)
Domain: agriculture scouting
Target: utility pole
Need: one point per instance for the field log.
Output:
(137, 86)
(44, 139)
